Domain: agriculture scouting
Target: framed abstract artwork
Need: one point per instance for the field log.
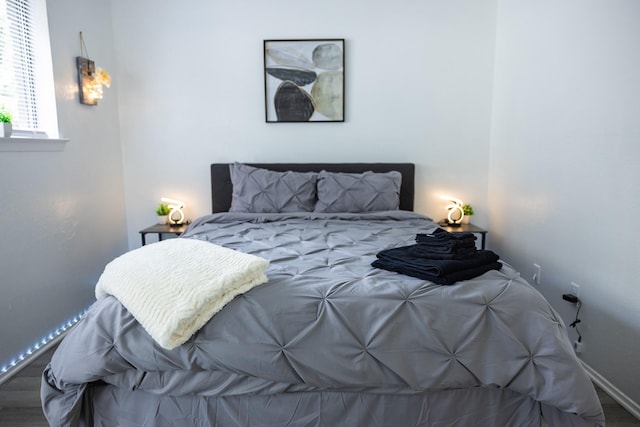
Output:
(304, 80)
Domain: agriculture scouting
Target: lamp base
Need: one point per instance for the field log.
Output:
(450, 224)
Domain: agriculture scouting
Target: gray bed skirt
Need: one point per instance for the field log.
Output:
(488, 407)
(478, 407)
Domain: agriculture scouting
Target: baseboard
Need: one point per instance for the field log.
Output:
(38, 348)
(616, 394)
(11, 372)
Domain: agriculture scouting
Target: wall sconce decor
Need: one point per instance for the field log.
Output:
(90, 78)
(455, 211)
(176, 216)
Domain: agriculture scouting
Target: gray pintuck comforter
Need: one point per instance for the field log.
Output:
(329, 326)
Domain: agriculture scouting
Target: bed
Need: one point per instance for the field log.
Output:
(328, 340)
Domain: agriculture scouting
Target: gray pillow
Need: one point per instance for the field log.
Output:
(259, 190)
(358, 192)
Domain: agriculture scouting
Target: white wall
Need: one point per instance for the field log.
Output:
(191, 90)
(62, 212)
(565, 166)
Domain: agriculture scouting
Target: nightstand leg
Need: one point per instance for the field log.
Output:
(143, 239)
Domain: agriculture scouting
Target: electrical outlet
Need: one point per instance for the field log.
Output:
(575, 289)
(537, 271)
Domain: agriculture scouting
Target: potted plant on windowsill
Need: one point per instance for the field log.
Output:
(162, 211)
(5, 121)
(468, 211)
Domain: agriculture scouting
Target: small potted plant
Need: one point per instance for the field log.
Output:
(162, 211)
(468, 211)
(5, 121)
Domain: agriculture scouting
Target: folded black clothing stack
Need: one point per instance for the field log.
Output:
(444, 245)
(441, 259)
(421, 251)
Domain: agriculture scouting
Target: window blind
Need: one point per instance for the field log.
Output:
(21, 80)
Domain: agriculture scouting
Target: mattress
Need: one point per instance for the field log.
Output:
(330, 340)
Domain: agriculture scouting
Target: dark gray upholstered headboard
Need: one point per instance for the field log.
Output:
(221, 187)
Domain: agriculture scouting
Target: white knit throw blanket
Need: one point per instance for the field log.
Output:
(174, 287)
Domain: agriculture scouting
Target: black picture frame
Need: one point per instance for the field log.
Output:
(304, 80)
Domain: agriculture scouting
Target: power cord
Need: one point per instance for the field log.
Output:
(575, 300)
(574, 324)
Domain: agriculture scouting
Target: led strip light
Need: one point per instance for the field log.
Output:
(16, 364)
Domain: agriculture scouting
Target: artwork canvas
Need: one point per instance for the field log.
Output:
(304, 80)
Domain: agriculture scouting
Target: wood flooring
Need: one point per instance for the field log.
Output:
(20, 400)
(20, 396)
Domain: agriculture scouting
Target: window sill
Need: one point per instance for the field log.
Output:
(32, 144)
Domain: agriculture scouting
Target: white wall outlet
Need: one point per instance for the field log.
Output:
(575, 289)
(537, 271)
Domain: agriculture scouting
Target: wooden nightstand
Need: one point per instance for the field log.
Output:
(466, 228)
(161, 229)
